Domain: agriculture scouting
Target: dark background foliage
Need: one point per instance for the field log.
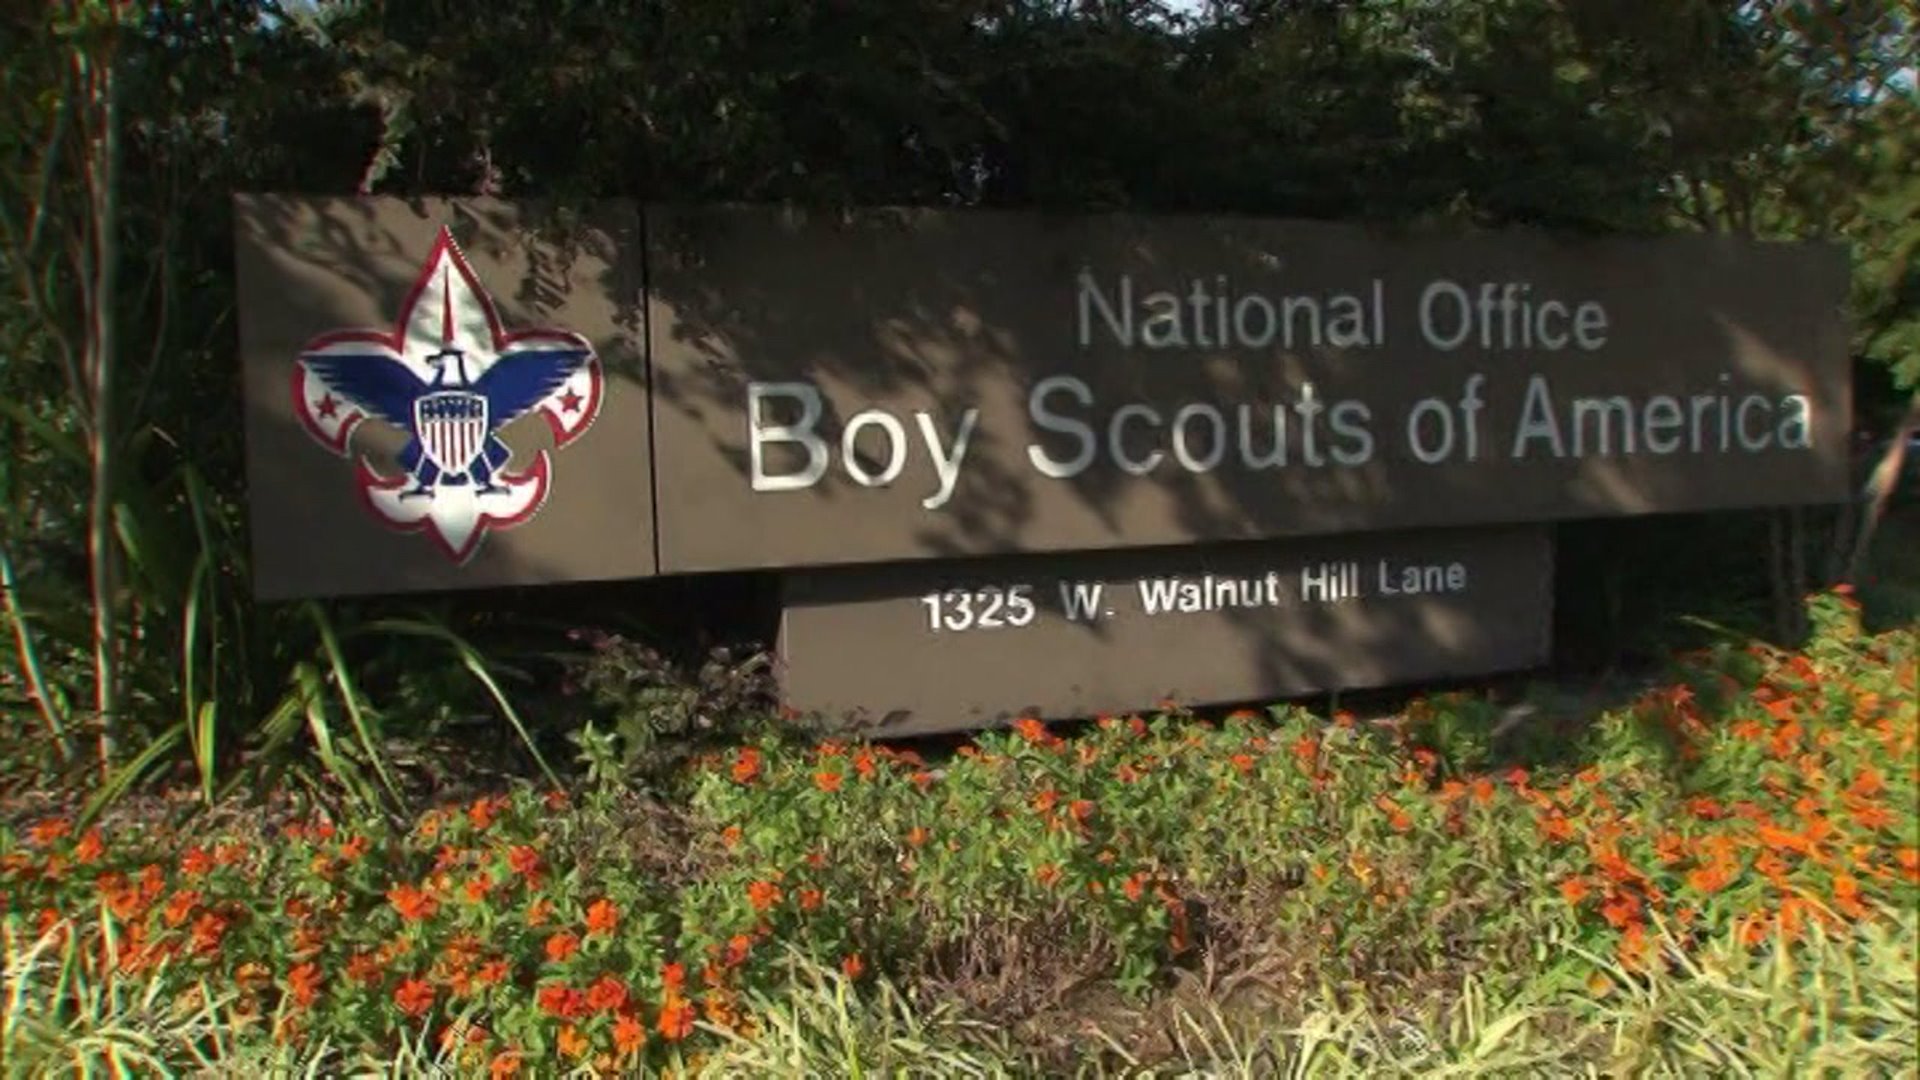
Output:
(1775, 119)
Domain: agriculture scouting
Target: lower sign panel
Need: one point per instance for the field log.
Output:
(925, 647)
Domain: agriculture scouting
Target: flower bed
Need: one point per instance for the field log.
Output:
(1761, 796)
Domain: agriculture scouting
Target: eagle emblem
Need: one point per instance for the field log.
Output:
(450, 377)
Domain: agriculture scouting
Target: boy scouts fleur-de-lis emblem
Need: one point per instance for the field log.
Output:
(450, 377)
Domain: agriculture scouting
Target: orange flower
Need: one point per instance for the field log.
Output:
(827, 781)
(916, 836)
(629, 1034)
(493, 973)
(412, 904)
(1620, 909)
(1872, 817)
(746, 765)
(504, 1064)
(1080, 810)
(46, 832)
(1772, 867)
(477, 887)
(90, 847)
(602, 917)
(809, 899)
(1573, 890)
(1704, 808)
(364, 968)
(676, 1019)
(863, 762)
(126, 903)
(1846, 896)
(673, 976)
(1783, 840)
(1710, 878)
(1909, 860)
(482, 812)
(737, 948)
(571, 1042)
(522, 859)
(1669, 848)
(607, 994)
(1046, 800)
(539, 911)
(1633, 946)
(730, 836)
(1047, 875)
(1242, 762)
(180, 907)
(922, 779)
(208, 929)
(1030, 729)
(763, 895)
(852, 966)
(414, 997)
(1396, 817)
(562, 945)
(562, 1001)
(303, 983)
(1305, 749)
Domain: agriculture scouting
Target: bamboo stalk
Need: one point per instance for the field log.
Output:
(102, 177)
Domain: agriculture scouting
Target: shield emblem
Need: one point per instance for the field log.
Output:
(452, 425)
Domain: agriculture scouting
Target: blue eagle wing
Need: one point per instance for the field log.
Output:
(376, 382)
(518, 381)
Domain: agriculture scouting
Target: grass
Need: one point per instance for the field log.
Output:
(1830, 1007)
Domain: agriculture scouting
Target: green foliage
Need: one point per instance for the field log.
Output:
(661, 712)
(1616, 906)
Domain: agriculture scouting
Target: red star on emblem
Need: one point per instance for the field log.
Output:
(570, 401)
(327, 406)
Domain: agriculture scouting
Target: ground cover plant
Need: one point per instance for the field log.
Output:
(1733, 851)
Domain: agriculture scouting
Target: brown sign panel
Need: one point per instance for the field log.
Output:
(443, 394)
(932, 646)
(905, 385)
